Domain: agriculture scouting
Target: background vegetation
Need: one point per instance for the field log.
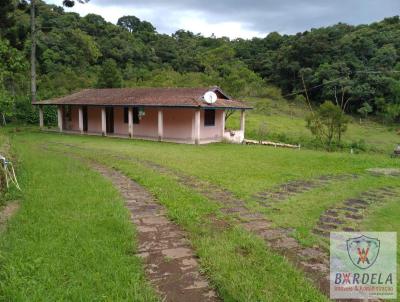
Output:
(357, 68)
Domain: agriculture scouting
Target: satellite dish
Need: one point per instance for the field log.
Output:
(210, 97)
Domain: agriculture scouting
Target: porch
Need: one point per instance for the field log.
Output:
(178, 125)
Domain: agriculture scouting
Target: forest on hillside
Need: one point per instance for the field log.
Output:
(354, 65)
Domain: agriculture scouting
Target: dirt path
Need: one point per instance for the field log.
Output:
(6, 212)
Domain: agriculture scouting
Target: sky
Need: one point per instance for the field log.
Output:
(241, 18)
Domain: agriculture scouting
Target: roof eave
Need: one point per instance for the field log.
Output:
(144, 105)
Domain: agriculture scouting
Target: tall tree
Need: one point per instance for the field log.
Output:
(6, 18)
(67, 3)
(110, 76)
(33, 51)
(134, 24)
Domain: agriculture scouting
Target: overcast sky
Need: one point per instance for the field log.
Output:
(246, 18)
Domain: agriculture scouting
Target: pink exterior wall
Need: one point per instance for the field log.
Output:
(178, 123)
(94, 119)
(119, 126)
(212, 132)
(147, 126)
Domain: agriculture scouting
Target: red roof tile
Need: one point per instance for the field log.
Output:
(161, 97)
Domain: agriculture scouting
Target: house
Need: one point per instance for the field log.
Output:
(187, 115)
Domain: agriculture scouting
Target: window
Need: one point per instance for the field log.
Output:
(209, 117)
(135, 115)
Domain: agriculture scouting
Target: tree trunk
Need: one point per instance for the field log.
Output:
(33, 52)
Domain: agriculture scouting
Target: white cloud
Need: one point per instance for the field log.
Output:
(110, 13)
(198, 23)
(238, 18)
(170, 22)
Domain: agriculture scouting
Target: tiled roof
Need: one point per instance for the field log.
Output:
(164, 97)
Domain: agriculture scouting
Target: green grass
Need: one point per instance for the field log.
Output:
(248, 169)
(286, 122)
(71, 239)
(384, 219)
(238, 264)
(315, 202)
(260, 275)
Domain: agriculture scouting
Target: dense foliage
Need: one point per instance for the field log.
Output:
(352, 66)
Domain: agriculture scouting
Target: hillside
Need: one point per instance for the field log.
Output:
(285, 122)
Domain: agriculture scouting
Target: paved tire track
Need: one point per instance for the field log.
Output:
(269, 197)
(171, 264)
(170, 260)
(335, 218)
(313, 261)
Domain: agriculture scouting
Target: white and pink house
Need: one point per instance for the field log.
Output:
(164, 114)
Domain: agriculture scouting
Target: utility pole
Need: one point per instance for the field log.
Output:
(33, 52)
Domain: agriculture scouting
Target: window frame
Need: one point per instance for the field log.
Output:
(207, 118)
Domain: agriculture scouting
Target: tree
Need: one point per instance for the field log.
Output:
(12, 66)
(328, 124)
(6, 17)
(365, 110)
(110, 76)
(67, 3)
(134, 24)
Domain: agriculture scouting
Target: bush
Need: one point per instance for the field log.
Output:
(328, 124)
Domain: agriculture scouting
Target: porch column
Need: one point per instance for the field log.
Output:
(242, 120)
(60, 117)
(81, 119)
(103, 121)
(197, 126)
(160, 125)
(130, 122)
(41, 120)
(223, 123)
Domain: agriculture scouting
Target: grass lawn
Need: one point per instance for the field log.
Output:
(71, 239)
(238, 264)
